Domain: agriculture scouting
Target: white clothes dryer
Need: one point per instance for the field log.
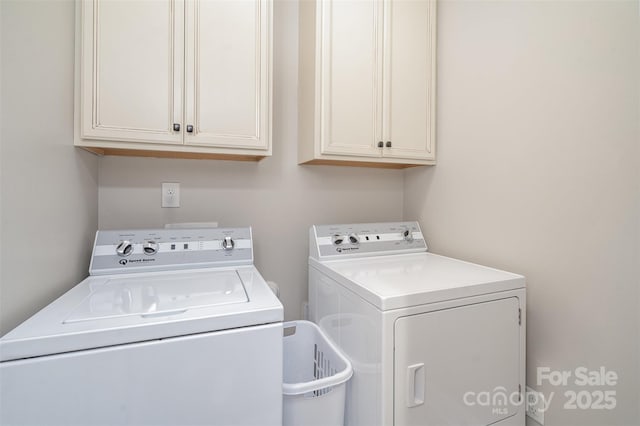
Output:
(172, 327)
(432, 340)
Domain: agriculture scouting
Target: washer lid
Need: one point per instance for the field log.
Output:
(147, 297)
(119, 309)
(400, 281)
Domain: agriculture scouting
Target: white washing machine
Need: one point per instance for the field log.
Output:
(432, 340)
(173, 327)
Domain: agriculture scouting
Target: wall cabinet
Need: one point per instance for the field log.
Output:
(367, 82)
(174, 78)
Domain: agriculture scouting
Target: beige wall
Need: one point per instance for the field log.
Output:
(49, 189)
(276, 196)
(537, 173)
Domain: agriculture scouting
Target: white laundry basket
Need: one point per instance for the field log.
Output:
(315, 377)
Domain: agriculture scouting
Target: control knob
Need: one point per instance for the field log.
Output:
(228, 243)
(124, 248)
(150, 247)
(337, 239)
(407, 235)
(354, 239)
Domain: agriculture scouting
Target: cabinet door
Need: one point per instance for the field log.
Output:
(410, 48)
(351, 77)
(131, 70)
(458, 366)
(227, 73)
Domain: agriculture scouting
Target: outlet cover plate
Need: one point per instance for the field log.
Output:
(170, 194)
(535, 405)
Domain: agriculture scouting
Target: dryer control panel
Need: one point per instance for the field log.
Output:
(147, 250)
(365, 239)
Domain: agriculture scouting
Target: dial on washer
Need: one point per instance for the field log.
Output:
(150, 248)
(124, 248)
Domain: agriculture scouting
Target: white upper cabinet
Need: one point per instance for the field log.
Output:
(227, 89)
(351, 106)
(132, 70)
(410, 79)
(367, 82)
(175, 78)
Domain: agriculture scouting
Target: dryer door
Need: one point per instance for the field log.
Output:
(458, 366)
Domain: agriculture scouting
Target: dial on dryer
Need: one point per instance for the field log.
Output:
(228, 243)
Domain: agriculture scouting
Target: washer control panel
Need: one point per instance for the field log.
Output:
(366, 239)
(168, 249)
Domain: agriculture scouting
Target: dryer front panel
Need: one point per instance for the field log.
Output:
(458, 366)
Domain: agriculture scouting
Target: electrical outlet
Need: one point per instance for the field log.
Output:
(535, 405)
(170, 194)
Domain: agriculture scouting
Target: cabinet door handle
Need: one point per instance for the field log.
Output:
(176, 127)
(388, 144)
(380, 144)
(189, 128)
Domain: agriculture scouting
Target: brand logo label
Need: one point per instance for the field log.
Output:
(125, 261)
(341, 249)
